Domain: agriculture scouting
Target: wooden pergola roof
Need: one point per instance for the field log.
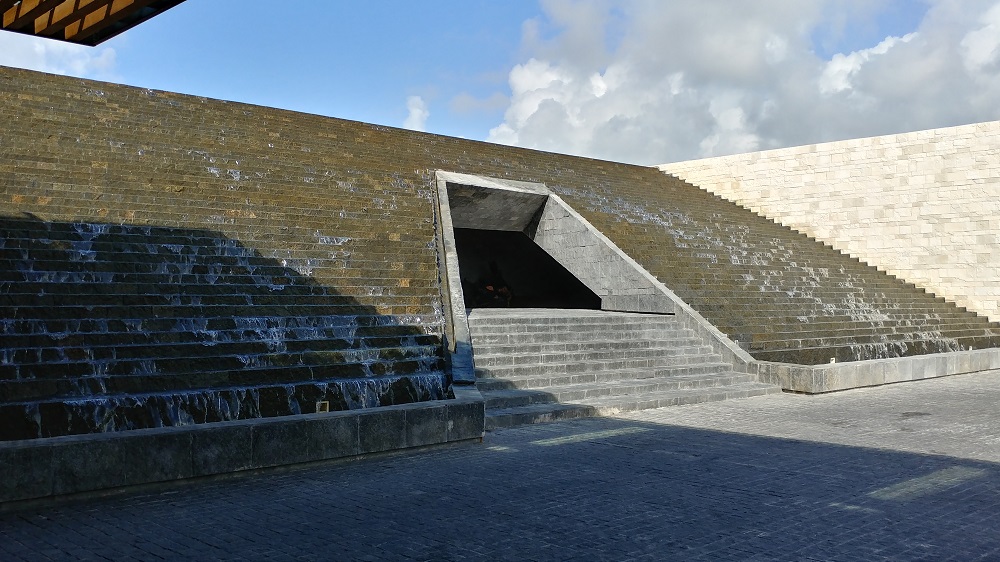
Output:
(87, 22)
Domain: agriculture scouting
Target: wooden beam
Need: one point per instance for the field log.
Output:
(6, 5)
(26, 12)
(64, 14)
(55, 16)
(111, 14)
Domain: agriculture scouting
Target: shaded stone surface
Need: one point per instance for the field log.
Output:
(848, 476)
(105, 461)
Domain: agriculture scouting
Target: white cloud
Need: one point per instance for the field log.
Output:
(981, 47)
(56, 57)
(417, 113)
(690, 79)
(838, 72)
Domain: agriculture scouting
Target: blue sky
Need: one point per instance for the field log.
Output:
(644, 81)
(356, 60)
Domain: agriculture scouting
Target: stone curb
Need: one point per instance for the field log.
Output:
(816, 379)
(44, 468)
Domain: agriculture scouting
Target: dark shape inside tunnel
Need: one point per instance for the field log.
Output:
(506, 269)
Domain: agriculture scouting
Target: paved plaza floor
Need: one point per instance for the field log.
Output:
(900, 472)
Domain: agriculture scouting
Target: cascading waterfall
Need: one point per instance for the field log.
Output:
(807, 300)
(79, 359)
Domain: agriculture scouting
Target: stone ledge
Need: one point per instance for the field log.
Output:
(42, 468)
(816, 379)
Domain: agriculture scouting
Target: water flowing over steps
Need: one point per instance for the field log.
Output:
(537, 365)
(110, 327)
(782, 295)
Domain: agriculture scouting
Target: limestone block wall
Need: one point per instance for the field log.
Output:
(924, 206)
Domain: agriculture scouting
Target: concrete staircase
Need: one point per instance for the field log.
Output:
(537, 365)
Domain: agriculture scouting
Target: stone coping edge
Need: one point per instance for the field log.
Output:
(816, 379)
(47, 468)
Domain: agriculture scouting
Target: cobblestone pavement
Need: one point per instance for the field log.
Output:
(901, 472)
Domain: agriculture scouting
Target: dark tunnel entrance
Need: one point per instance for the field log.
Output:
(507, 269)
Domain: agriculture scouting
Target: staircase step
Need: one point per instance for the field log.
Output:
(597, 369)
(492, 359)
(499, 338)
(489, 350)
(613, 405)
(508, 398)
(543, 378)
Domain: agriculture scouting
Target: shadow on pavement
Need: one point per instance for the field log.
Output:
(593, 489)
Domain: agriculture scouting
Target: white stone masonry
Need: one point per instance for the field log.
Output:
(924, 206)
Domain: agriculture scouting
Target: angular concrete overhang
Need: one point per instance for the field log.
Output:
(510, 206)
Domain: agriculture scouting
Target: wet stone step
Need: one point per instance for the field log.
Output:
(857, 322)
(876, 340)
(109, 346)
(846, 299)
(859, 318)
(177, 311)
(830, 313)
(137, 411)
(84, 387)
(740, 294)
(890, 332)
(16, 305)
(382, 358)
(869, 340)
(367, 324)
(819, 356)
(833, 323)
(95, 385)
(101, 356)
(884, 333)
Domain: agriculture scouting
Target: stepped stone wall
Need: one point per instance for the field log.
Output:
(168, 259)
(924, 206)
(250, 246)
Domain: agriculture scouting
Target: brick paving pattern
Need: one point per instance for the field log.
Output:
(901, 472)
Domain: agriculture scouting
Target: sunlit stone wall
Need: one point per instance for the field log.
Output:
(924, 206)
